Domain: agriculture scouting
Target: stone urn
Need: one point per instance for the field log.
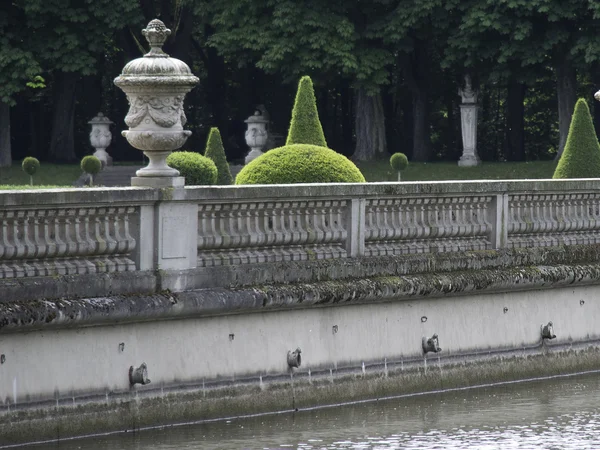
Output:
(155, 86)
(100, 137)
(256, 135)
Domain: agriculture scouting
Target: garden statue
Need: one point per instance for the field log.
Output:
(468, 119)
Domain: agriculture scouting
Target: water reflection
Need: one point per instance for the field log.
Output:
(552, 414)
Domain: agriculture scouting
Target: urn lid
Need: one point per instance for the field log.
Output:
(100, 119)
(156, 68)
(257, 117)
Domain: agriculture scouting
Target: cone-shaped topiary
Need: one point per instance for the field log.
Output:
(581, 156)
(216, 152)
(198, 170)
(300, 163)
(305, 127)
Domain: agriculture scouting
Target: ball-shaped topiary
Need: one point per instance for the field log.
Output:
(216, 152)
(399, 161)
(581, 156)
(91, 165)
(300, 163)
(198, 170)
(305, 126)
(30, 166)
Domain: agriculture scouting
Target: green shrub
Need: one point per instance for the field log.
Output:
(305, 127)
(300, 163)
(30, 166)
(216, 152)
(581, 156)
(91, 165)
(399, 162)
(197, 169)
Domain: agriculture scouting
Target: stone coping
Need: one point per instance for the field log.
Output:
(297, 191)
(91, 196)
(290, 191)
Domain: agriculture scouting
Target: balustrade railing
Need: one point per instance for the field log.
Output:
(427, 224)
(543, 220)
(67, 239)
(105, 231)
(243, 233)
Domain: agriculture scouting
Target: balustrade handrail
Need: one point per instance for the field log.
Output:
(77, 231)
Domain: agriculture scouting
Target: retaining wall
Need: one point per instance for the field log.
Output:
(212, 287)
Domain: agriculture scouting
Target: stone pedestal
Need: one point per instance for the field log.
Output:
(468, 119)
(158, 182)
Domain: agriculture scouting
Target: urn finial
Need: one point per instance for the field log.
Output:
(156, 33)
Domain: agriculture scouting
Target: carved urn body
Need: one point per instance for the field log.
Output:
(256, 135)
(100, 137)
(155, 86)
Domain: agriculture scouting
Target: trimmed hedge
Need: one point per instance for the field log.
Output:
(216, 152)
(581, 156)
(305, 126)
(300, 163)
(198, 170)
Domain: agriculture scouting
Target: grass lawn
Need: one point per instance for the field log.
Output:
(381, 171)
(48, 176)
(63, 175)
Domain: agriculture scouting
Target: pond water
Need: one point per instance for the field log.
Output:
(559, 413)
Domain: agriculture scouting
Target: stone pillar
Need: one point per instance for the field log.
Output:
(256, 135)
(100, 138)
(468, 121)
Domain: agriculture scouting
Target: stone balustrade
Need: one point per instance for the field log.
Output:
(89, 233)
(71, 232)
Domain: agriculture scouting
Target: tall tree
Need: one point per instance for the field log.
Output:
(328, 40)
(516, 37)
(69, 39)
(18, 66)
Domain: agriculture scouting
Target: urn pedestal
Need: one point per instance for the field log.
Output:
(156, 86)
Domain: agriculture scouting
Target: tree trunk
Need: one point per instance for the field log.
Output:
(5, 148)
(566, 86)
(515, 121)
(421, 136)
(347, 131)
(415, 68)
(62, 145)
(370, 127)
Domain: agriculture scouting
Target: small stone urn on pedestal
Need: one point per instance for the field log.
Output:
(155, 86)
(468, 120)
(100, 138)
(256, 135)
